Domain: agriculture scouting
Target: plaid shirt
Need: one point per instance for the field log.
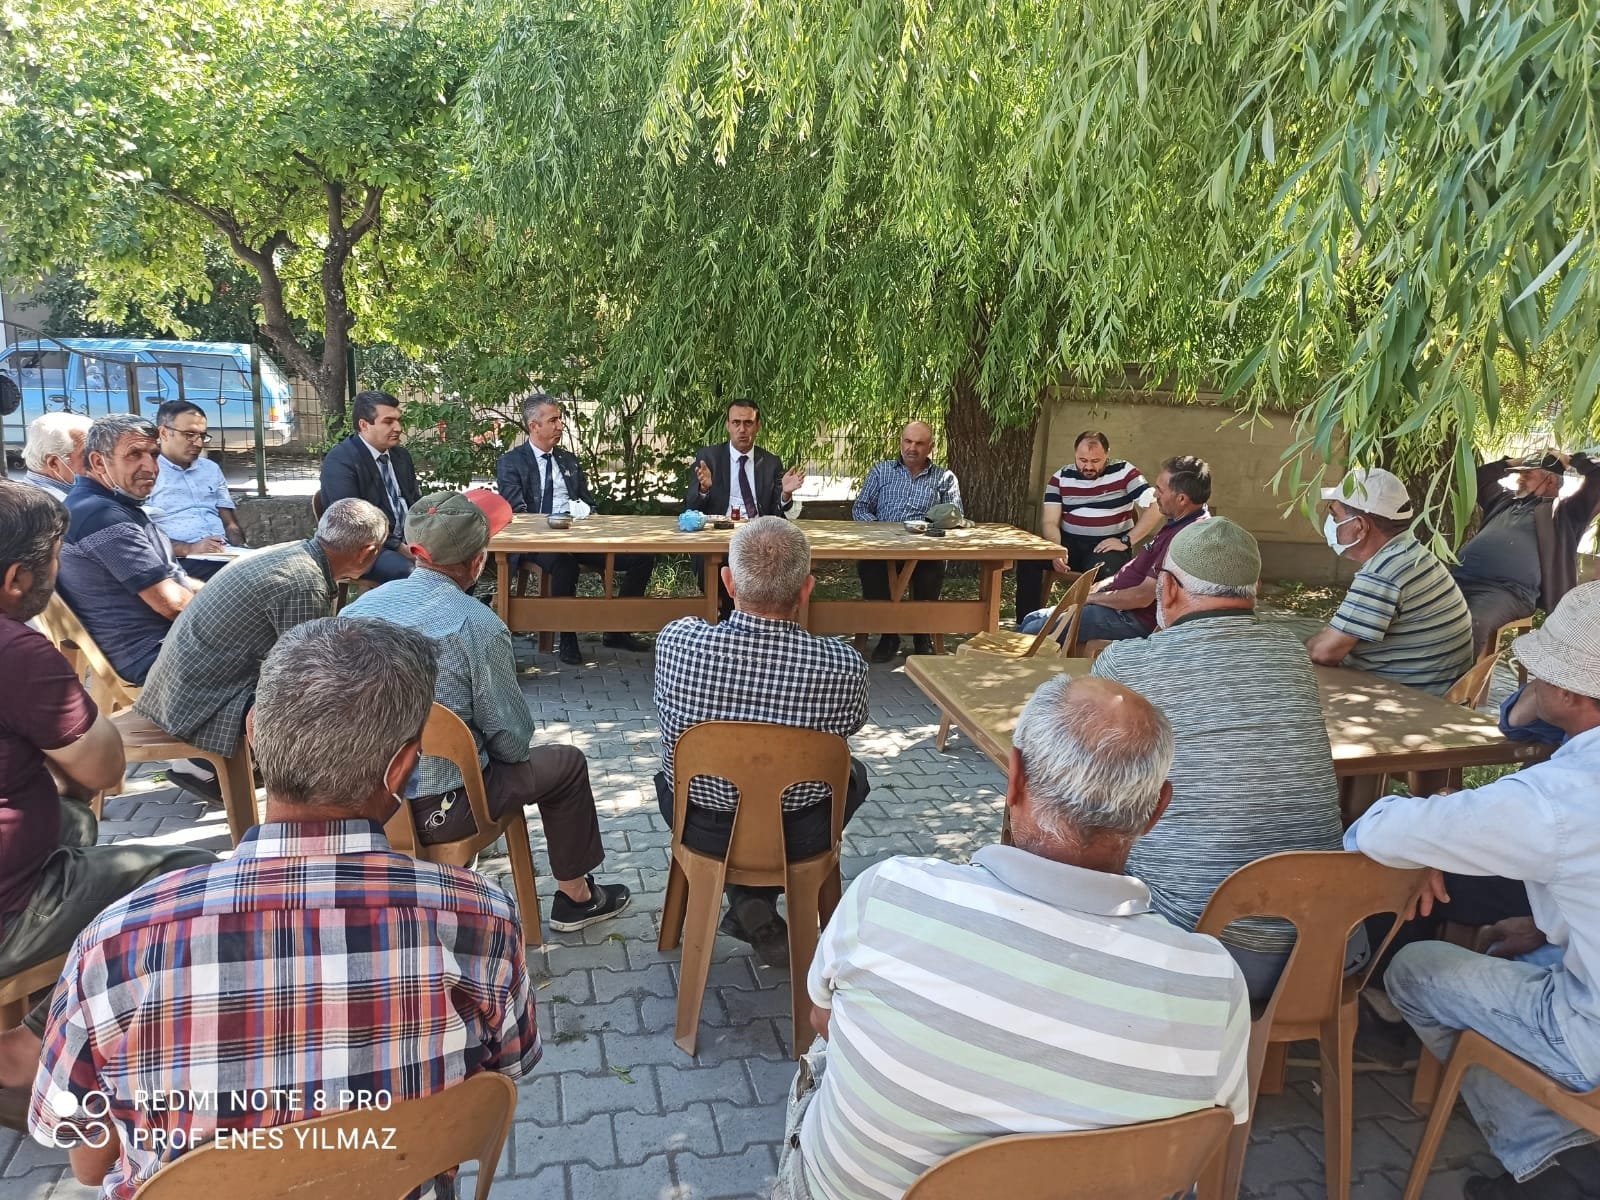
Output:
(315, 960)
(890, 493)
(204, 680)
(477, 670)
(752, 668)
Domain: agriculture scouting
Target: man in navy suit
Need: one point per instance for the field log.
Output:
(372, 465)
(540, 476)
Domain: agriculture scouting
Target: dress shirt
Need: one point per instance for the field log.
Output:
(735, 492)
(397, 516)
(544, 461)
(185, 500)
(892, 493)
(54, 486)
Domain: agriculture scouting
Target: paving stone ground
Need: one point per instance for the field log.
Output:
(616, 1111)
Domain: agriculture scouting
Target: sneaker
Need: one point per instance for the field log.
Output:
(605, 901)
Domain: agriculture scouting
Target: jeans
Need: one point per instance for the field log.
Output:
(1080, 554)
(1099, 622)
(388, 566)
(791, 1183)
(1442, 989)
(1262, 968)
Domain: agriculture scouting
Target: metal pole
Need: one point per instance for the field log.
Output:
(133, 387)
(261, 433)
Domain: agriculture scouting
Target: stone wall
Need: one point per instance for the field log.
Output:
(267, 520)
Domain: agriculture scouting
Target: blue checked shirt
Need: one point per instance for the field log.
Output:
(890, 493)
(185, 502)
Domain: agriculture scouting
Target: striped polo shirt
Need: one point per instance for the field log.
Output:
(1101, 507)
(1412, 621)
(1011, 995)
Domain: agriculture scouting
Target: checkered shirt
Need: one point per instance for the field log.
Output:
(315, 960)
(752, 668)
(204, 680)
(477, 669)
(890, 493)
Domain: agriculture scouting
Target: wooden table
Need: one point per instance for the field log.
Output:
(992, 547)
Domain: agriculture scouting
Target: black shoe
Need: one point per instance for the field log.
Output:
(605, 901)
(924, 643)
(624, 641)
(888, 647)
(181, 774)
(570, 654)
(755, 920)
(1554, 1183)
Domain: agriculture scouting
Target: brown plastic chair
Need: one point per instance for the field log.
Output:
(761, 761)
(447, 736)
(109, 690)
(15, 989)
(1325, 894)
(1475, 1050)
(1473, 688)
(1129, 1162)
(145, 741)
(467, 1122)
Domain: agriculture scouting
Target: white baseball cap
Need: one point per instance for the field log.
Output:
(1373, 491)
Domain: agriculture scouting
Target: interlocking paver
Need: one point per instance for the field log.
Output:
(641, 1135)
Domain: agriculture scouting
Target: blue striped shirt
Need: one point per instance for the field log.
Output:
(1412, 621)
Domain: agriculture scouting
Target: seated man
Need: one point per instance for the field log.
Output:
(759, 665)
(1404, 618)
(961, 1002)
(190, 500)
(1525, 554)
(449, 538)
(372, 465)
(204, 680)
(56, 751)
(118, 572)
(1124, 606)
(317, 960)
(1535, 993)
(54, 451)
(1238, 792)
(904, 489)
(540, 476)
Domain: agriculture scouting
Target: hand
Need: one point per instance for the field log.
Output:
(702, 474)
(1510, 938)
(1433, 892)
(792, 479)
(210, 545)
(1111, 544)
(1061, 566)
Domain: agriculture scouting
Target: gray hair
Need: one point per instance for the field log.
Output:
(533, 403)
(52, 434)
(1090, 767)
(108, 430)
(351, 525)
(1196, 586)
(336, 700)
(770, 559)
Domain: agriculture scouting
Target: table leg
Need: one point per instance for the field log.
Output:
(1429, 783)
(989, 591)
(502, 587)
(607, 575)
(709, 585)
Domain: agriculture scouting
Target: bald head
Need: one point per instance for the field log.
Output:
(916, 446)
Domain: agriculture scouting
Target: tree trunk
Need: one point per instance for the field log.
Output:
(993, 468)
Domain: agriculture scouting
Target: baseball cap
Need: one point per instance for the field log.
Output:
(1539, 462)
(1373, 490)
(451, 526)
(1216, 551)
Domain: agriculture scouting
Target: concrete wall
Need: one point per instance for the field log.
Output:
(267, 520)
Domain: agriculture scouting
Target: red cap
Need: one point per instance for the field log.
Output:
(493, 506)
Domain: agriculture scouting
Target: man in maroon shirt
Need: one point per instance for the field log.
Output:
(56, 750)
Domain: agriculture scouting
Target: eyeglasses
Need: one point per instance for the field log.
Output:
(200, 439)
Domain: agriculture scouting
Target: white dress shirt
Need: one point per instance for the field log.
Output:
(735, 496)
(559, 500)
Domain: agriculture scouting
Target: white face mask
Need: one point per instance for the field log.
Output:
(1330, 531)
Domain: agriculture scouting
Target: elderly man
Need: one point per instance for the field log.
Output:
(1404, 618)
(904, 489)
(118, 572)
(758, 665)
(372, 465)
(955, 997)
(54, 451)
(190, 500)
(1525, 554)
(1535, 993)
(56, 750)
(346, 966)
(449, 537)
(204, 679)
(542, 476)
(1236, 796)
(1097, 508)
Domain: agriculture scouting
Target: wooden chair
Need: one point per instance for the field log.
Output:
(467, 1122)
(447, 736)
(1475, 1050)
(1325, 895)
(15, 989)
(761, 761)
(145, 741)
(1127, 1162)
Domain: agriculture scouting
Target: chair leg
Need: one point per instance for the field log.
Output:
(802, 906)
(1425, 1084)
(938, 643)
(1337, 1043)
(944, 730)
(523, 880)
(238, 787)
(1438, 1120)
(1273, 1068)
(674, 905)
(700, 935)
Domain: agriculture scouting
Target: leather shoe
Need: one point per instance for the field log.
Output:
(888, 647)
(570, 654)
(624, 641)
(924, 643)
(755, 921)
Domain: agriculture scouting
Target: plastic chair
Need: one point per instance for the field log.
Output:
(1473, 688)
(761, 761)
(467, 1122)
(447, 736)
(1325, 894)
(109, 690)
(1475, 1050)
(145, 741)
(15, 989)
(1128, 1162)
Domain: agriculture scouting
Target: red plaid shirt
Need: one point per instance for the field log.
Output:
(315, 964)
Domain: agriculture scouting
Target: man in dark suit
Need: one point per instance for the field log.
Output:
(540, 476)
(372, 465)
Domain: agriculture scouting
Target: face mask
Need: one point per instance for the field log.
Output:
(1330, 531)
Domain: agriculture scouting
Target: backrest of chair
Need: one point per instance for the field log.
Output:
(761, 761)
(1325, 894)
(447, 736)
(361, 1154)
(1472, 688)
(61, 625)
(1129, 1162)
(1065, 633)
(316, 505)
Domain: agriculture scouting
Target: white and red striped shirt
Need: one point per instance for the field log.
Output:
(1101, 507)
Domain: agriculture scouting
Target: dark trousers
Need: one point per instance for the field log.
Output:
(556, 778)
(563, 571)
(1474, 900)
(806, 832)
(1080, 555)
(1491, 606)
(76, 884)
(926, 579)
(388, 566)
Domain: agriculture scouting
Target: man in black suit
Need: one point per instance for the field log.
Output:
(540, 476)
(372, 465)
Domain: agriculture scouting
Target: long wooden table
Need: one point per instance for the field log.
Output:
(992, 547)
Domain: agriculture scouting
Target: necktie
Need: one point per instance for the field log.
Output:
(397, 506)
(745, 491)
(548, 497)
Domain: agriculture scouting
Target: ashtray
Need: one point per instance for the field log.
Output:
(558, 521)
(916, 526)
(719, 522)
